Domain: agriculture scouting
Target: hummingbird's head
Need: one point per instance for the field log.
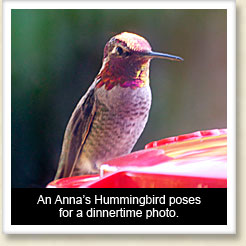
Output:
(126, 61)
(124, 45)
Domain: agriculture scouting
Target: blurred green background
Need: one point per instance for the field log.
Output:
(57, 53)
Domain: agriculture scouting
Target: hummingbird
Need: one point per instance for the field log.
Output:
(110, 117)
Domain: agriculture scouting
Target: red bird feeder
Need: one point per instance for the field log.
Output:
(195, 160)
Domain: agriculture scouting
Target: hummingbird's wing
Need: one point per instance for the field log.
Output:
(76, 133)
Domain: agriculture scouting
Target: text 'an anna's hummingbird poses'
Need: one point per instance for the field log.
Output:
(111, 116)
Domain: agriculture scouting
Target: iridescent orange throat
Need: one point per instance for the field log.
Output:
(126, 74)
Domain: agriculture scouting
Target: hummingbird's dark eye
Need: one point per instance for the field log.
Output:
(119, 50)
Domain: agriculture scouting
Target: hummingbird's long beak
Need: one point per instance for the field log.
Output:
(153, 54)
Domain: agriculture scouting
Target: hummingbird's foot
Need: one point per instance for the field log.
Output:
(79, 172)
(86, 167)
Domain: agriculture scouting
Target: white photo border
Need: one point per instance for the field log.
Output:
(230, 228)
